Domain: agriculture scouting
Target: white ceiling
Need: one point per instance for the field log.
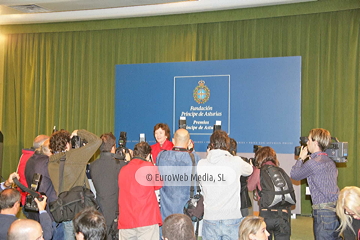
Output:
(81, 10)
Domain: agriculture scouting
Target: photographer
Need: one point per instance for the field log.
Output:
(139, 214)
(38, 164)
(173, 197)
(10, 206)
(277, 218)
(106, 185)
(74, 173)
(222, 215)
(321, 174)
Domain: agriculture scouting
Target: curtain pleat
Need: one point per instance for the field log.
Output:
(66, 79)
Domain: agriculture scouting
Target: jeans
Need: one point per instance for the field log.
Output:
(58, 231)
(221, 229)
(69, 232)
(325, 225)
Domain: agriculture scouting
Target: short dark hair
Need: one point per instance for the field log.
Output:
(220, 140)
(142, 149)
(58, 141)
(164, 127)
(91, 224)
(178, 227)
(108, 141)
(233, 146)
(8, 198)
(265, 154)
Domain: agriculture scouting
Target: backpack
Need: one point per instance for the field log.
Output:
(277, 188)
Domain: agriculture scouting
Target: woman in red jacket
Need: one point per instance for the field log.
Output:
(162, 137)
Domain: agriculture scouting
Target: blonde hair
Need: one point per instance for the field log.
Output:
(349, 197)
(250, 225)
(322, 136)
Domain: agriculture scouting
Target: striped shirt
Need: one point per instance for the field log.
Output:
(321, 174)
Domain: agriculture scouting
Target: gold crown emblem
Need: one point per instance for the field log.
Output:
(201, 93)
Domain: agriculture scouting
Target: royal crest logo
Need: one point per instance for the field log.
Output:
(201, 93)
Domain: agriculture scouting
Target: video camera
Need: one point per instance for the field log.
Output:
(303, 143)
(30, 204)
(337, 151)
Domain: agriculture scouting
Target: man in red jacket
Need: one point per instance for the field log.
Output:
(26, 154)
(139, 216)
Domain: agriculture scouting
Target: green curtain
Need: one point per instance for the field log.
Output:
(67, 78)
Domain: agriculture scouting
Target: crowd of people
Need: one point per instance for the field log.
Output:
(141, 193)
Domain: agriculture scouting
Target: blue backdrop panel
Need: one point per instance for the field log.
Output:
(256, 100)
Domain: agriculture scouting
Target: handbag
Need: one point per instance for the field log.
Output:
(69, 203)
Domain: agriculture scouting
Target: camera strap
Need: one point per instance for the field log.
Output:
(192, 188)
(179, 149)
(25, 189)
(61, 172)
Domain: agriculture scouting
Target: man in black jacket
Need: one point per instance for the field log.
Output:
(106, 185)
(38, 163)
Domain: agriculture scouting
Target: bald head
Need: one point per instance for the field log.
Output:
(181, 138)
(25, 229)
(39, 140)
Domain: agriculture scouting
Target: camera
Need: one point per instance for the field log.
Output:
(122, 146)
(252, 160)
(249, 160)
(336, 151)
(30, 204)
(217, 126)
(77, 142)
(142, 137)
(303, 143)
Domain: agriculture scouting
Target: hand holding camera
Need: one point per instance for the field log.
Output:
(41, 202)
(303, 153)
